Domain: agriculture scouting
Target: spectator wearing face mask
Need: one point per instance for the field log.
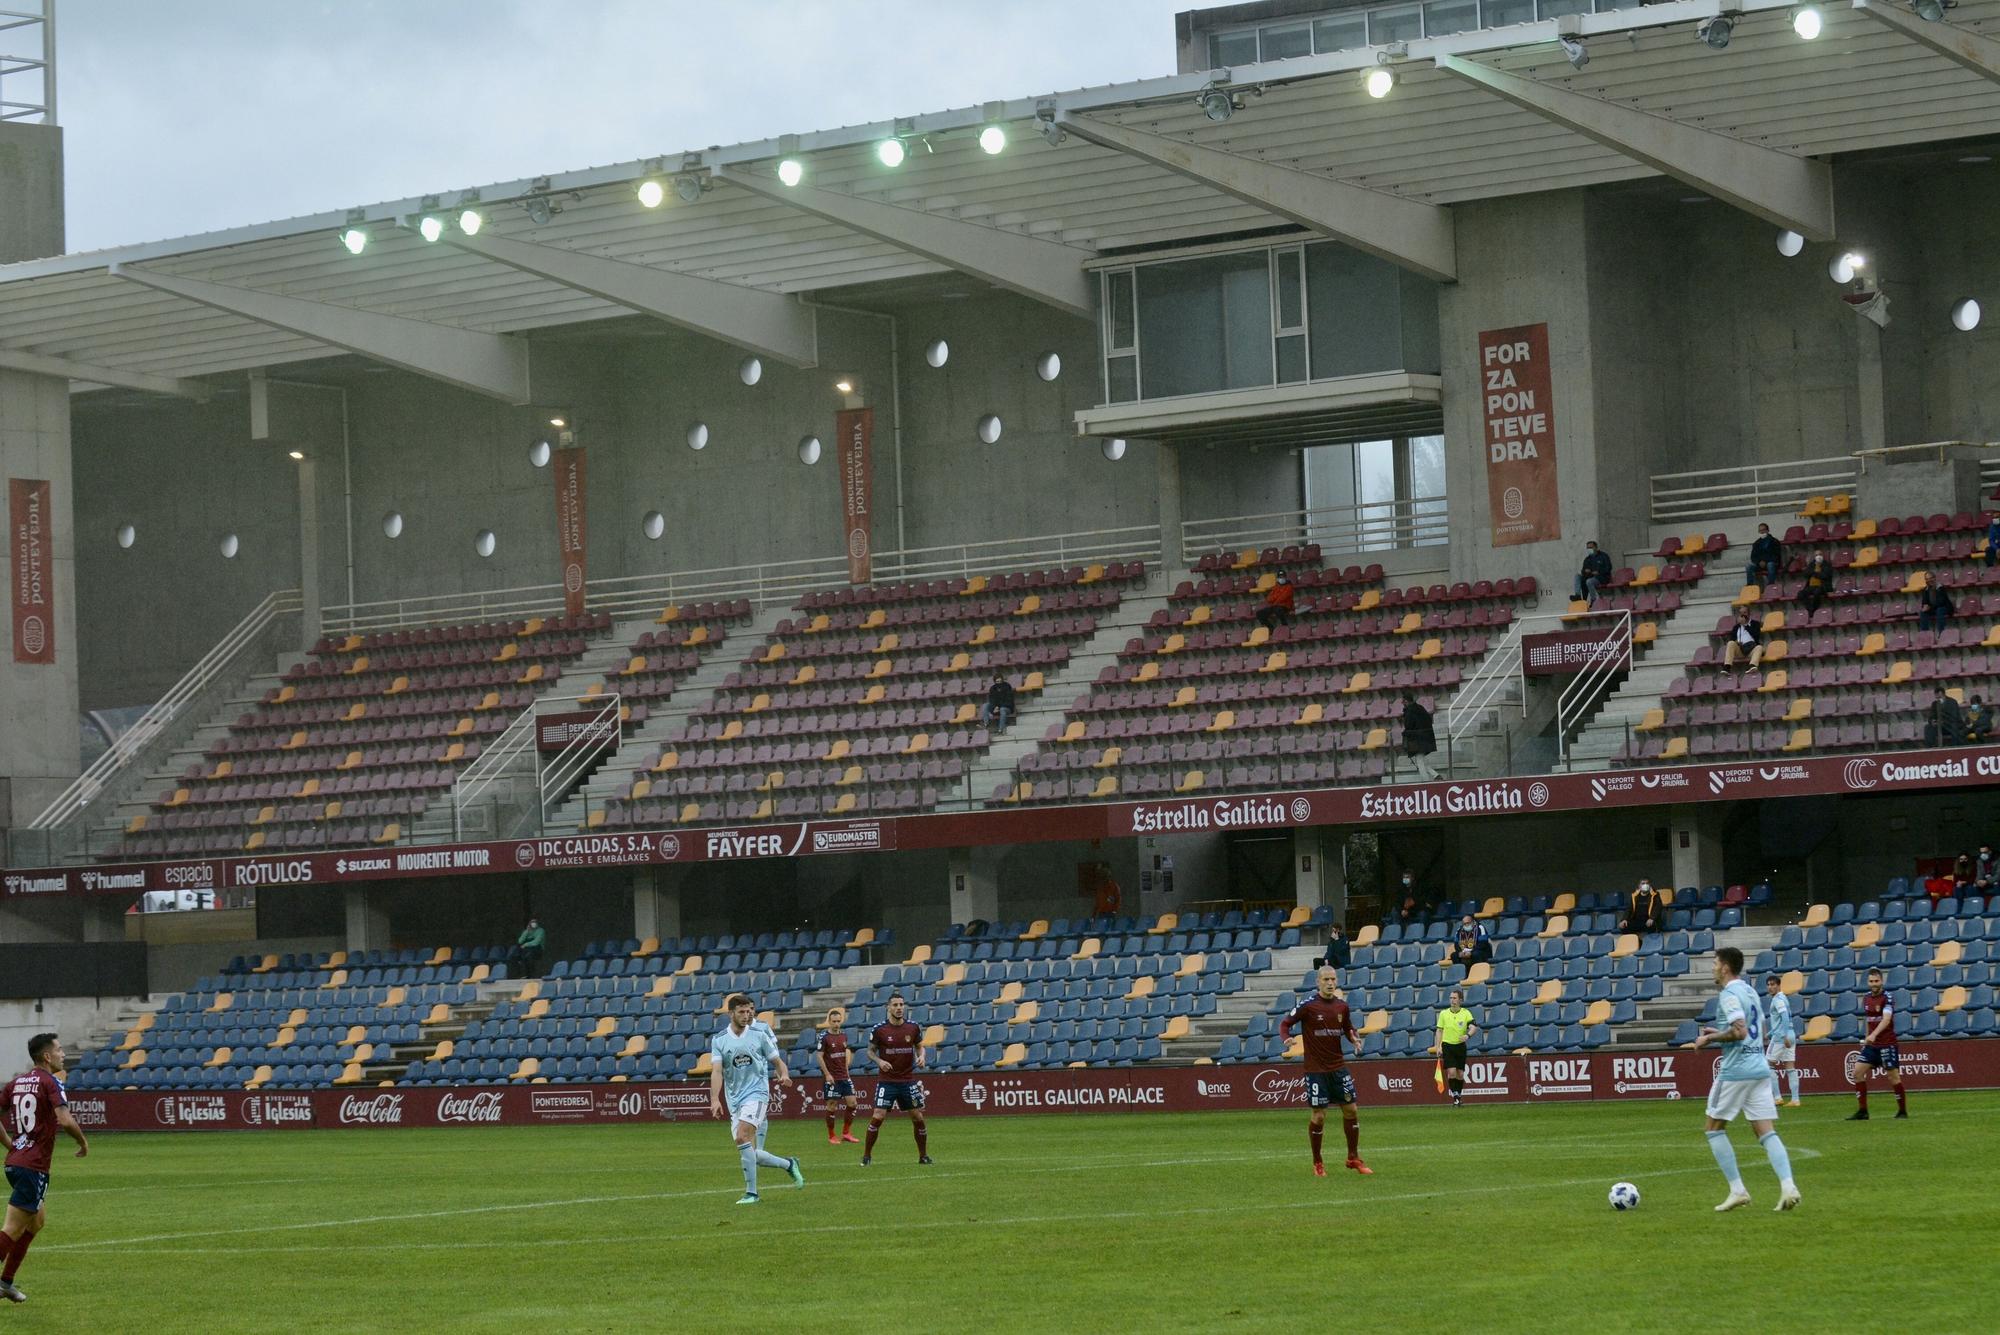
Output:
(1647, 912)
(1471, 946)
(1767, 558)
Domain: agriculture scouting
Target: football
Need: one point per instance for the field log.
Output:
(1624, 1196)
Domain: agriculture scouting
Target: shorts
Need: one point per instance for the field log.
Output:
(1781, 1054)
(1325, 1088)
(839, 1089)
(1749, 1099)
(1453, 1056)
(755, 1111)
(1879, 1059)
(30, 1189)
(905, 1094)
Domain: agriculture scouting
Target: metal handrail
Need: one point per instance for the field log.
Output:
(1342, 530)
(197, 679)
(578, 755)
(1582, 690)
(1478, 692)
(492, 764)
(1749, 489)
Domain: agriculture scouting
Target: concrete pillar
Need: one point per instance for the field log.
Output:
(1694, 835)
(309, 575)
(104, 918)
(1868, 365)
(367, 919)
(31, 192)
(972, 875)
(1169, 458)
(656, 905)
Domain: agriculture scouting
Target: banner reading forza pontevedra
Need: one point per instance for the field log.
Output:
(855, 427)
(32, 575)
(571, 531)
(1518, 433)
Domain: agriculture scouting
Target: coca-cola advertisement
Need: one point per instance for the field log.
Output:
(1964, 1063)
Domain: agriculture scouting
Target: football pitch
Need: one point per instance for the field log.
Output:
(1486, 1218)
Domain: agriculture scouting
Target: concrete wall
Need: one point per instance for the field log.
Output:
(31, 192)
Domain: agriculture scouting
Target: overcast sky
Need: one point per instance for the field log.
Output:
(184, 116)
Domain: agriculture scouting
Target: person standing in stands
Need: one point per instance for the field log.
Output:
(1944, 721)
(1767, 558)
(898, 1049)
(33, 1107)
(739, 1082)
(999, 704)
(1746, 641)
(1472, 945)
(1454, 1026)
(528, 949)
(832, 1054)
(1878, 1048)
(1818, 585)
(1596, 570)
(1277, 608)
(1419, 737)
(1780, 1037)
(1934, 605)
(1323, 1020)
(1646, 913)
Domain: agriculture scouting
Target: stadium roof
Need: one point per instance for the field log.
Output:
(1476, 115)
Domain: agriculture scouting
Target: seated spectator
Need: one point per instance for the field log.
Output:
(1339, 952)
(999, 705)
(1596, 570)
(1471, 946)
(1934, 605)
(1647, 913)
(1944, 722)
(1277, 608)
(1419, 737)
(1993, 538)
(1985, 869)
(1767, 558)
(1746, 641)
(1978, 720)
(525, 960)
(1962, 874)
(1818, 583)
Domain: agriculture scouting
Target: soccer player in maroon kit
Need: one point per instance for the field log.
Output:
(32, 1106)
(898, 1050)
(833, 1058)
(1878, 1048)
(1323, 1021)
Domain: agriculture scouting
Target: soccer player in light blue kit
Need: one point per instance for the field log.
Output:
(739, 1077)
(1743, 1083)
(1781, 1038)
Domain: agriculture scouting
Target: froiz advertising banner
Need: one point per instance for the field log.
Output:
(1518, 433)
(33, 570)
(571, 529)
(855, 429)
(1961, 1063)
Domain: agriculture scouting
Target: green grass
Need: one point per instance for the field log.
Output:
(1489, 1218)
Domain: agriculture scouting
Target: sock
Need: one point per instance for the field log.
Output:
(1777, 1090)
(1353, 1129)
(829, 1125)
(1315, 1134)
(923, 1139)
(1725, 1158)
(18, 1250)
(748, 1154)
(846, 1125)
(1455, 1085)
(1861, 1092)
(874, 1129)
(1793, 1076)
(1902, 1104)
(1781, 1162)
(762, 1132)
(766, 1159)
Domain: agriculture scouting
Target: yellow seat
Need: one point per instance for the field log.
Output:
(1598, 1012)
(1190, 781)
(1257, 638)
(1431, 648)
(1646, 575)
(1192, 965)
(1951, 999)
(1655, 720)
(1165, 923)
(1312, 713)
(1359, 682)
(1867, 935)
(1692, 545)
(1376, 1023)
(1777, 679)
(1224, 720)
(1898, 673)
(1479, 974)
(1368, 935)
(1675, 749)
(1872, 643)
(1112, 755)
(1948, 952)
(1645, 632)
(1142, 987)
(1178, 1027)
(1369, 601)
(1492, 908)
(1557, 924)
(1791, 982)
(1866, 557)
(1748, 596)
(864, 937)
(1198, 615)
(921, 955)
(1174, 643)
(1377, 739)
(1819, 1029)
(1088, 950)
(1037, 929)
(1411, 622)
(1550, 992)
(1801, 708)
(1862, 529)
(1802, 740)
(1107, 786)
(1816, 916)
(1915, 583)
(1015, 1054)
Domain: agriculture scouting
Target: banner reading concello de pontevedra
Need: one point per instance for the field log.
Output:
(855, 427)
(33, 570)
(571, 532)
(1518, 419)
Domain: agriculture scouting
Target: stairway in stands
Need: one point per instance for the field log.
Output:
(1685, 997)
(1288, 968)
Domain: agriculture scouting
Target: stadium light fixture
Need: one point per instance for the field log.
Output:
(539, 211)
(1965, 316)
(791, 171)
(296, 456)
(651, 194)
(1790, 244)
(1932, 11)
(470, 221)
(688, 187)
(1807, 22)
(1574, 51)
(992, 140)
(1715, 30)
(558, 422)
(890, 153)
(355, 239)
(1379, 80)
(1218, 104)
(845, 384)
(430, 227)
(1844, 266)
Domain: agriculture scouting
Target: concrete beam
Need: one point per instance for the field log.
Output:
(12, 359)
(766, 323)
(1042, 270)
(492, 364)
(1791, 192)
(1405, 232)
(1979, 54)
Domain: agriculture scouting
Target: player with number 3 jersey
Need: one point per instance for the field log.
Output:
(1742, 1085)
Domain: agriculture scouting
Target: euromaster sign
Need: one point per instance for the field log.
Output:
(1908, 771)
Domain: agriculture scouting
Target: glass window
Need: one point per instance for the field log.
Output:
(1121, 379)
(1555, 9)
(1444, 17)
(1119, 319)
(1288, 266)
(1606, 6)
(1428, 509)
(1205, 325)
(1354, 312)
(1349, 32)
(1291, 359)
(1284, 41)
(1397, 23)
(1506, 13)
(1232, 48)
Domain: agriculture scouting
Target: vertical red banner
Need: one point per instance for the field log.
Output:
(1519, 437)
(855, 427)
(571, 529)
(32, 575)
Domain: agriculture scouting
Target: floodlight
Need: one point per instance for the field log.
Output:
(1806, 22)
(791, 171)
(1790, 244)
(1930, 11)
(1715, 31)
(1965, 316)
(538, 209)
(431, 227)
(1379, 81)
(993, 139)
(355, 240)
(687, 188)
(889, 152)
(470, 221)
(1216, 104)
(1573, 50)
(651, 193)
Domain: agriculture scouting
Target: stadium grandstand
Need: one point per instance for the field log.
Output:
(1032, 558)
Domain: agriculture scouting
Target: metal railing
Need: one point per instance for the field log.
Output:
(762, 582)
(185, 706)
(570, 766)
(1754, 489)
(1342, 530)
(1582, 692)
(1484, 690)
(499, 772)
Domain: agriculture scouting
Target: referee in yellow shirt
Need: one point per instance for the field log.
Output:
(1454, 1026)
